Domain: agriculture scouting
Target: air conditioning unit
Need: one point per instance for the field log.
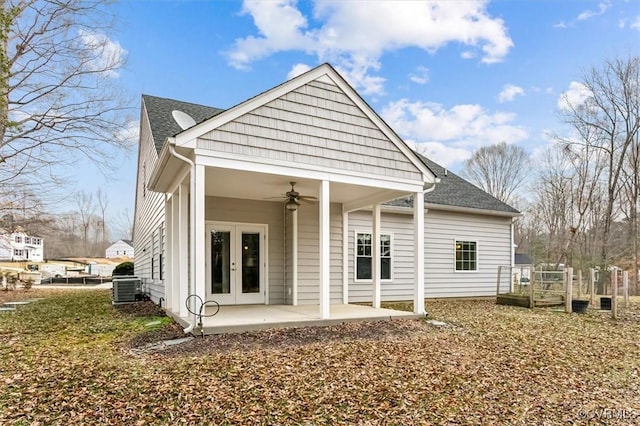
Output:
(126, 289)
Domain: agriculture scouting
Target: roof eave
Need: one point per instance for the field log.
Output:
(472, 210)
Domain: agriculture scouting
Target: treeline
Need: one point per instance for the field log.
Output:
(84, 230)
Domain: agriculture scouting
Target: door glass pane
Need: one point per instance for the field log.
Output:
(220, 262)
(250, 262)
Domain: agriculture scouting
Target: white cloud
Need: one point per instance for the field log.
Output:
(107, 56)
(588, 14)
(635, 24)
(129, 135)
(354, 37)
(452, 133)
(444, 155)
(509, 93)
(420, 75)
(298, 69)
(574, 96)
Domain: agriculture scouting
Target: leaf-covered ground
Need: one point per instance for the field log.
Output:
(68, 359)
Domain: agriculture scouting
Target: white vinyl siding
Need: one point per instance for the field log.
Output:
(316, 124)
(308, 254)
(442, 229)
(493, 237)
(149, 214)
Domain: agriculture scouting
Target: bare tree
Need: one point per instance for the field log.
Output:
(609, 113)
(59, 98)
(498, 169)
(86, 209)
(103, 203)
(123, 225)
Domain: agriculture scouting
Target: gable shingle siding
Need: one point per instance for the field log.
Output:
(315, 124)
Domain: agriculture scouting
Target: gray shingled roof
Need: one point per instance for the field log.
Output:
(161, 121)
(454, 191)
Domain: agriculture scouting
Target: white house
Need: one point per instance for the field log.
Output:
(18, 246)
(278, 201)
(121, 248)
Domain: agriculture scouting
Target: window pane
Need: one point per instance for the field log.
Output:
(363, 266)
(385, 268)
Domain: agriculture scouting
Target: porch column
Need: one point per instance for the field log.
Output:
(418, 252)
(168, 252)
(183, 249)
(294, 257)
(325, 253)
(345, 257)
(176, 254)
(198, 263)
(375, 255)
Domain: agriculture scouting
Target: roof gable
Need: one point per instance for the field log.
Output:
(323, 77)
(163, 125)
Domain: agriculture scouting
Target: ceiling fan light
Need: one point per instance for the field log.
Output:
(292, 204)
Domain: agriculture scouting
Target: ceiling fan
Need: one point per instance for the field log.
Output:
(293, 198)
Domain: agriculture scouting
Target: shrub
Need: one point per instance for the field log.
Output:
(125, 268)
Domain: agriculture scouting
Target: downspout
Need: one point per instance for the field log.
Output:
(426, 190)
(192, 244)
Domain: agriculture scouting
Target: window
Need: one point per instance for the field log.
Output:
(18, 252)
(466, 256)
(18, 239)
(27, 240)
(364, 253)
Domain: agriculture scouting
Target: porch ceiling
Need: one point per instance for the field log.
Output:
(262, 186)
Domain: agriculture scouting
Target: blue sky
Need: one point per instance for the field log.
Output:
(448, 76)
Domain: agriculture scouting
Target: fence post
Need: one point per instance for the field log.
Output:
(625, 288)
(579, 283)
(614, 292)
(592, 285)
(498, 281)
(532, 282)
(568, 281)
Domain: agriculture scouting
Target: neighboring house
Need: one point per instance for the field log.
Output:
(18, 246)
(121, 248)
(208, 221)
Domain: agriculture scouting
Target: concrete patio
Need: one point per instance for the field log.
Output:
(239, 318)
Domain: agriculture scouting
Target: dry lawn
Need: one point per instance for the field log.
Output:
(67, 359)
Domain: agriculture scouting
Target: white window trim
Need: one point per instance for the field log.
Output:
(466, 240)
(355, 256)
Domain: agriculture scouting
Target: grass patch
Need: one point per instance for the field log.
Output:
(65, 360)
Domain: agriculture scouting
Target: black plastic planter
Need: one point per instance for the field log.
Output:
(605, 303)
(579, 306)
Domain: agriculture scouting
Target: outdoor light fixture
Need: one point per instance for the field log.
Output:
(292, 205)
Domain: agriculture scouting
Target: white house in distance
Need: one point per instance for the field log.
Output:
(302, 196)
(18, 246)
(121, 248)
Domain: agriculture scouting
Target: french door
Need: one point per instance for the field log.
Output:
(235, 263)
